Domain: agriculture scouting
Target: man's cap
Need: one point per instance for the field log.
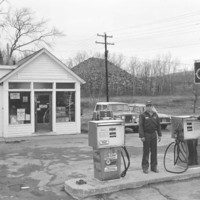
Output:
(149, 103)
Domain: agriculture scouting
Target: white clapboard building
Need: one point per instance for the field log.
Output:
(39, 95)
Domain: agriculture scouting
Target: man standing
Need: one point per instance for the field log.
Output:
(149, 128)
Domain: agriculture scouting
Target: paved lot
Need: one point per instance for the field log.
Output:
(42, 164)
(37, 167)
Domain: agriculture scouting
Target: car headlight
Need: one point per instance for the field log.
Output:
(133, 117)
(123, 117)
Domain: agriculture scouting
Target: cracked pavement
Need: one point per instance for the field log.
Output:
(36, 168)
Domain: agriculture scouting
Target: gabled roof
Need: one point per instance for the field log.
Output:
(22, 63)
(24, 60)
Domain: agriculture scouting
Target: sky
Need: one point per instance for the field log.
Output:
(144, 29)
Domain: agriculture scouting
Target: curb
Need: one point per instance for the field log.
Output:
(135, 179)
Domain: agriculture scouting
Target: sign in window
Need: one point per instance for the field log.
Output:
(65, 106)
(19, 108)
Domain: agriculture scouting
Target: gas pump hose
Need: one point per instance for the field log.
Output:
(180, 152)
(123, 174)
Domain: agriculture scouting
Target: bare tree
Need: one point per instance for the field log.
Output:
(153, 76)
(117, 60)
(80, 57)
(134, 68)
(24, 34)
(163, 67)
(2, 2)
(3, 11)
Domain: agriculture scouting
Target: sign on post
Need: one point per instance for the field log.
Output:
(197, 72)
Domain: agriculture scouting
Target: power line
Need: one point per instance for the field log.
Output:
(180, 25)
(161, 30)
(160, 21)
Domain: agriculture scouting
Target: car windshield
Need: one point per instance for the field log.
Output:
(138, 109)
(119, 107)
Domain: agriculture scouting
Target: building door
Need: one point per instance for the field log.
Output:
(43, 111)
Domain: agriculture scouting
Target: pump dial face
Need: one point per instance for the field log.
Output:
(108, 162)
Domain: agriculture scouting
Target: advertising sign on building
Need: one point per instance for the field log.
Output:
(21, 114)
(14, 95)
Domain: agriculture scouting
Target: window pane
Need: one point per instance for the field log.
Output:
(105, 107)
(19, 108)
(98, 107)
(43, 108)
(17, 85)
(43, 85)
(65, 106)
(65, 85)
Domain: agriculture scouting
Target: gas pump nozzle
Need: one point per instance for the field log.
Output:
(123, 174)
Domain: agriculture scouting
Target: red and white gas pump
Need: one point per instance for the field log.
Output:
(107, 137)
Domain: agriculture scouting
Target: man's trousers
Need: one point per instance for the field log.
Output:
(150, 146)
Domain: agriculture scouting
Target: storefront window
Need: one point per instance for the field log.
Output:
(19, 108)
(65, 85)
(19, 85)
(65, 106)
(43, 86)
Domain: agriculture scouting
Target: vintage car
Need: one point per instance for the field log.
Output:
(116, 110)
(139, 108)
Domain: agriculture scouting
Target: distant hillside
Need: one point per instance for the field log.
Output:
(92, 71)
(121, 82)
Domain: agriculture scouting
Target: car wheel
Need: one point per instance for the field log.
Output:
(135, 129)
(163, 126)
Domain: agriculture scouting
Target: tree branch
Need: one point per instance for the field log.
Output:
(24, 32)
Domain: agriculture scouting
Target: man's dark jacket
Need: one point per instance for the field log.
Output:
(149, 124)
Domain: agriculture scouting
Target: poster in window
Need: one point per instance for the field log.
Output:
(43, 106)
(25, 99)
(14, 95)
(28, 117)
(21, 114)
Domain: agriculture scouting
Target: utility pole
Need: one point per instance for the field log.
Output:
(106, 59)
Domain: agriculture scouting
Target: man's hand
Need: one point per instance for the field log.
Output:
(159, 138)
(143, 139)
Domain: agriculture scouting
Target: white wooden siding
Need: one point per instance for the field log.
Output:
(19, 130)
(43, 68)
(1, 111)
(67, 128)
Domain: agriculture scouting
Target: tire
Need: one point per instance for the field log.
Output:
(135, 129)
(163, 126)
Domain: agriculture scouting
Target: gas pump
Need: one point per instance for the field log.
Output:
(185, 131)
(108, 141)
